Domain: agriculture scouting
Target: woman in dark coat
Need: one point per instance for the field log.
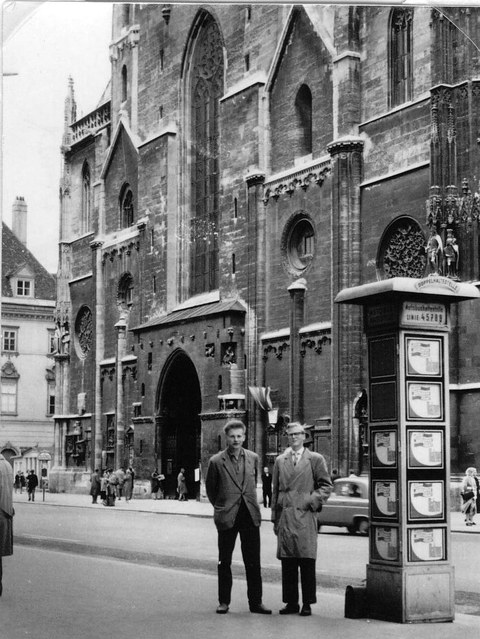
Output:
(6, 512)
(95, 488)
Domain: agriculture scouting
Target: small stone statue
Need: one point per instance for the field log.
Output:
(434, 251)
(229, 356)
(451, 256)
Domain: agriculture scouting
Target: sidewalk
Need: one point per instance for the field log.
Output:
(191, 507)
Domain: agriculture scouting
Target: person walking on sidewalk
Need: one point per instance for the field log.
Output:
(477, 481)
(469, 496)
(6, 513)
(23, 482)
(95, 485)
(182, 485)
(120, 473)
(112, 483)
(128, 484)
(103, 487)
(32, 483)
(301, 485)
(267, 487)
(17, 484)
(155, 483)
(231, 484)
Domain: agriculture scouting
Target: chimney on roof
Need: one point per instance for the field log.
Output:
(19, 219)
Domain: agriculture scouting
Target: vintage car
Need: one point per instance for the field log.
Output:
(347, 505)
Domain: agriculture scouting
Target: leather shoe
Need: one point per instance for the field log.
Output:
(222, 609)
(260, 609)
(306, 611)
(289, 609)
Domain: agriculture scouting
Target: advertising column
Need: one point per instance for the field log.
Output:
(410, 577)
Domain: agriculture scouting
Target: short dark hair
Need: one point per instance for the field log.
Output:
(234, 423)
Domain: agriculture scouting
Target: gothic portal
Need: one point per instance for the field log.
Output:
(178, 423)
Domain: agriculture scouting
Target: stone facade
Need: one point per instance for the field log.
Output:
(252, 162)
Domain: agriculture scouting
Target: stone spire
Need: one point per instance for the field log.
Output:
(70, 112)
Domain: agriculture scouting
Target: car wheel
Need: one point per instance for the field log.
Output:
(363, 526)
(352, 529)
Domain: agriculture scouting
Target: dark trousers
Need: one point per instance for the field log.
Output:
(250, 545)
(290, 568)
(267, 498)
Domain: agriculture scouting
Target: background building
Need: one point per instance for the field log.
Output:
(27, 363)
(244, 165)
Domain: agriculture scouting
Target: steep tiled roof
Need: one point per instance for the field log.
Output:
(15, 256)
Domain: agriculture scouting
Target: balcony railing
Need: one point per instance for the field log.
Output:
(90, 123)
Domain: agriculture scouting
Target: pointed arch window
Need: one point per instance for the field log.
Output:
(124, 83)
(125, 291)
(207, 86)
(303, 112)
(86, 198)
(126, 207)
(401, 56)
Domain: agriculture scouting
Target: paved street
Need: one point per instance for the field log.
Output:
(182, 535)
(56, 595)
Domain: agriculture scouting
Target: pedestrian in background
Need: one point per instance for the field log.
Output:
(154, 483)
(23, 481)
(335, 475)
(17, 484)
(182, 485)
(95, 485)
(32, 483)
(120, 473)
(469, 496)
(301, 485)
(267, 487)
(6, 513)
(103, 487)
(161, 486)
(112, 482)
(231, 484)
(477, 481)
(128, 484)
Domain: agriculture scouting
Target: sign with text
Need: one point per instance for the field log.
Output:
(424, 314)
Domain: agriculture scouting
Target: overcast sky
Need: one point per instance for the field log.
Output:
(44, 47)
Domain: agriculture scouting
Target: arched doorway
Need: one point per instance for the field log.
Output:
(178, 422)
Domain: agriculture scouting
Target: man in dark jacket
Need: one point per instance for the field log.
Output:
(231, 484)
(32, 483)
(301, 485)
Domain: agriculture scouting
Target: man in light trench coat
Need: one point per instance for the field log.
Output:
(301, 485)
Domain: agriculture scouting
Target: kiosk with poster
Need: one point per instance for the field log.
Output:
(410, 577)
